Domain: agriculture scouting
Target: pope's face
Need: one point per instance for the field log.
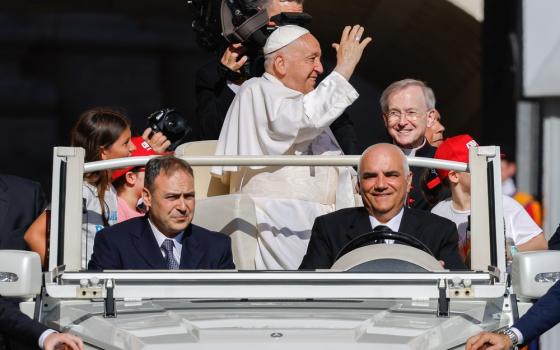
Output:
(303, 64)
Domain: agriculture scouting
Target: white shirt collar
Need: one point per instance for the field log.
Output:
(393, 224)
(160, 237)
(412, 151)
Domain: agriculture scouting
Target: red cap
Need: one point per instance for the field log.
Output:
(455, 148)
(142, 149)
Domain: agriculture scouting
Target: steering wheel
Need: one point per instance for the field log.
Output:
(378, 237)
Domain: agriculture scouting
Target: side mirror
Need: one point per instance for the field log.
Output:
(533, 273)
(20, 273)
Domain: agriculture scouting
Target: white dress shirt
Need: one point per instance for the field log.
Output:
(177, 240)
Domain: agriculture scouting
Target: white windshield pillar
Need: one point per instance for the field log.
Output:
(66, 214)
(486, 192)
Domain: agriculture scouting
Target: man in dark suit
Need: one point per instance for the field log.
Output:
(20, 327)
(165, 237)
(21, 201)
(384, 182)
(539, 318)
(409, 108)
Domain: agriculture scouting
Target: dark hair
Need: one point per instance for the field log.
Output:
(438, 192)
(96, 128)
(168, 165)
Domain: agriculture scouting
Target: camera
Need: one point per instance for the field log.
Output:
(172, 124)
(218, 23)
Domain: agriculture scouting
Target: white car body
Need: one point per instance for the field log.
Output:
(324, 309)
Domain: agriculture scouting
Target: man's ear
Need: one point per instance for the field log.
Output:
(431, 118)
(409, 181)
(280, 65)
(146, 197)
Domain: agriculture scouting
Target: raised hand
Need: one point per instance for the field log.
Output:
(349, 50)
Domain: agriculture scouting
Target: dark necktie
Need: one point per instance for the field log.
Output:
(167, 246)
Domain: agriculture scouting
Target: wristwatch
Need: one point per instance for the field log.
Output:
(512, 336)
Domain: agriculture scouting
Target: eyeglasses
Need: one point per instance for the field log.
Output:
(394, 115)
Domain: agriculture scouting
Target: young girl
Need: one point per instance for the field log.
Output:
(104, 134)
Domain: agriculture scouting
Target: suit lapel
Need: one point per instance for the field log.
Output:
(359, 224)
(191, 253)
(147, 246)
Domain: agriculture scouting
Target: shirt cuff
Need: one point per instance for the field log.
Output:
(44, 336)
(518, 334)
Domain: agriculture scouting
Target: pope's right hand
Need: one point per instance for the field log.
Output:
(349, 50)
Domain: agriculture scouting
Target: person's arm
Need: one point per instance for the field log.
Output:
(345, 134)
(36, 236)
(226, 261)
(105, 256)
(319, 253)
(536, 243)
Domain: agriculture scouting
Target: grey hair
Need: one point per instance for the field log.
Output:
(404, 158)
(429, 96)
(167, 165)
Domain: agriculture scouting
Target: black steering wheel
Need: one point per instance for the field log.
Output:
(378, 237)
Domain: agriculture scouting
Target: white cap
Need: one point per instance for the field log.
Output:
(283, 36)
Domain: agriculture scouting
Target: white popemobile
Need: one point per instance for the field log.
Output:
(350, 306)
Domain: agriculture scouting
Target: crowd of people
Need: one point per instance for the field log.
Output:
(141, 217)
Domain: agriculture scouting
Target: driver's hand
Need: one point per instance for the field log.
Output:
(442, 263)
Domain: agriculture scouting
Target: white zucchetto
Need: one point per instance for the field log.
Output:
(283, 36)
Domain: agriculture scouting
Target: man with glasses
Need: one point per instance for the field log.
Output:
(408, 108)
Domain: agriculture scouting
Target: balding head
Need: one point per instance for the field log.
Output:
(384, 180)
(385, 147)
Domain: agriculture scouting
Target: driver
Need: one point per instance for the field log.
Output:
(384, 182)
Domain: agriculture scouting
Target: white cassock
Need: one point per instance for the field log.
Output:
(267, 118)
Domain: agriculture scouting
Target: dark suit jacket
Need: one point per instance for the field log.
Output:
(131, 245)
(332, 231)
(416, 197)
(21, 201)
(17, 325)
(554, 242)
(213, 98)
(542, 316)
